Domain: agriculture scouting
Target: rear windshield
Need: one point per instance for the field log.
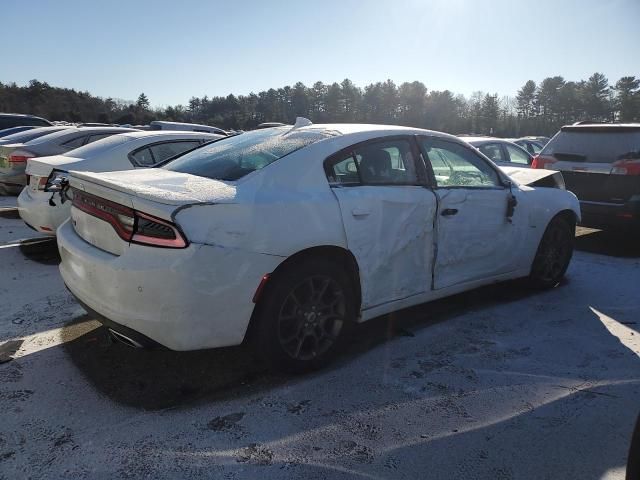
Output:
(234, 157)
(594, 147)
(23, 137)
(96, 148)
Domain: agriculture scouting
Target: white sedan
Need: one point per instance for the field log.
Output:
(43, 204)
(289, 236)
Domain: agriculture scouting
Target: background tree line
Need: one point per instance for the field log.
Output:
(536, 109)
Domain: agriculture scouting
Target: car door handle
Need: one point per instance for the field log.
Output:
(360, 212)
(447, 212)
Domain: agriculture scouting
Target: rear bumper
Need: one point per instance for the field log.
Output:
(120, 332)
(184, 299)
(610, 215)
(36, 211)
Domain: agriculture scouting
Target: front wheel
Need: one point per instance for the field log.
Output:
(306, 316)
(553, 254)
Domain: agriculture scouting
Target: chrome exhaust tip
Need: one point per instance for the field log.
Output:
(124, 339)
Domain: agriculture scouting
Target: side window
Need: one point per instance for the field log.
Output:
(457, 166)
(143, 158)
(94, 138)
(343, 170)
(388, 162)
(163, 151)
(493, 151)
(517, 155)
(534, 148)
(74, 142)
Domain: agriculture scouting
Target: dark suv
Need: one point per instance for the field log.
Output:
(600, 164)
(8, 120)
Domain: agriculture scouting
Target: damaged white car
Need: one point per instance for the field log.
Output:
(289, 236)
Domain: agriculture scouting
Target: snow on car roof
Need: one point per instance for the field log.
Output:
(358, 128)
(483, 139)
(74, 131)
(169, 133)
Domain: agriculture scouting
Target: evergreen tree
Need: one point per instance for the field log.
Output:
(526, 98)
(143, 102)
(628, 99)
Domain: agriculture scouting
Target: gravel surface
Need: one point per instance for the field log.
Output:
(497, 383)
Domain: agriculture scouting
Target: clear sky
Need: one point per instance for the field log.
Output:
(175, 49)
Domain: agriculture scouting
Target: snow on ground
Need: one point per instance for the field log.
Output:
(8, 201)
(497, 383)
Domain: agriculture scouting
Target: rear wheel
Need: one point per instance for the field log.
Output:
(307, 313)
(554, 253)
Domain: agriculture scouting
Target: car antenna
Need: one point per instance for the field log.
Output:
(300, 122)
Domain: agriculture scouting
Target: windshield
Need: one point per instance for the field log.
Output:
(234, 157)
(99, 146)
(592, 147)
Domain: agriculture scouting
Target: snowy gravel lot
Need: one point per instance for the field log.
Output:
(497, 383)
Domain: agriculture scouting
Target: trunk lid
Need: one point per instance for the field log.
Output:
(157, 185)
(43, 166)
(154, 191)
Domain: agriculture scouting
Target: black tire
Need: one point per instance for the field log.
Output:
(554, 253)
(305, 315)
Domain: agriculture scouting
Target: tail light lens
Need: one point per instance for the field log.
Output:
(39, 183)
(20, 157)
(626, 167)
(130, 225)
(150, 230)
(541, 161)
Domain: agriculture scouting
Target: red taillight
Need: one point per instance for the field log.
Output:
(540, 161)
(130, 225)
(626, 167)
(19, 158)
(39, 182)
(150, 230)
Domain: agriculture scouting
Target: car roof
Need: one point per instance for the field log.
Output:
(602, 127)
(170, 133)
(483, 139)
(355, 128)
(20, 115)
(17, 137)
(67, 132)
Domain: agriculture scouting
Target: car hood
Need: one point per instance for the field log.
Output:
(527, 176)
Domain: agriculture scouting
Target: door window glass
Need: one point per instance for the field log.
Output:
(493, 151)
(457, 166)
(517, 155)
(388, 162)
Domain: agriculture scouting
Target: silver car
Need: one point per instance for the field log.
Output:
(13, 157)
(502, 152)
